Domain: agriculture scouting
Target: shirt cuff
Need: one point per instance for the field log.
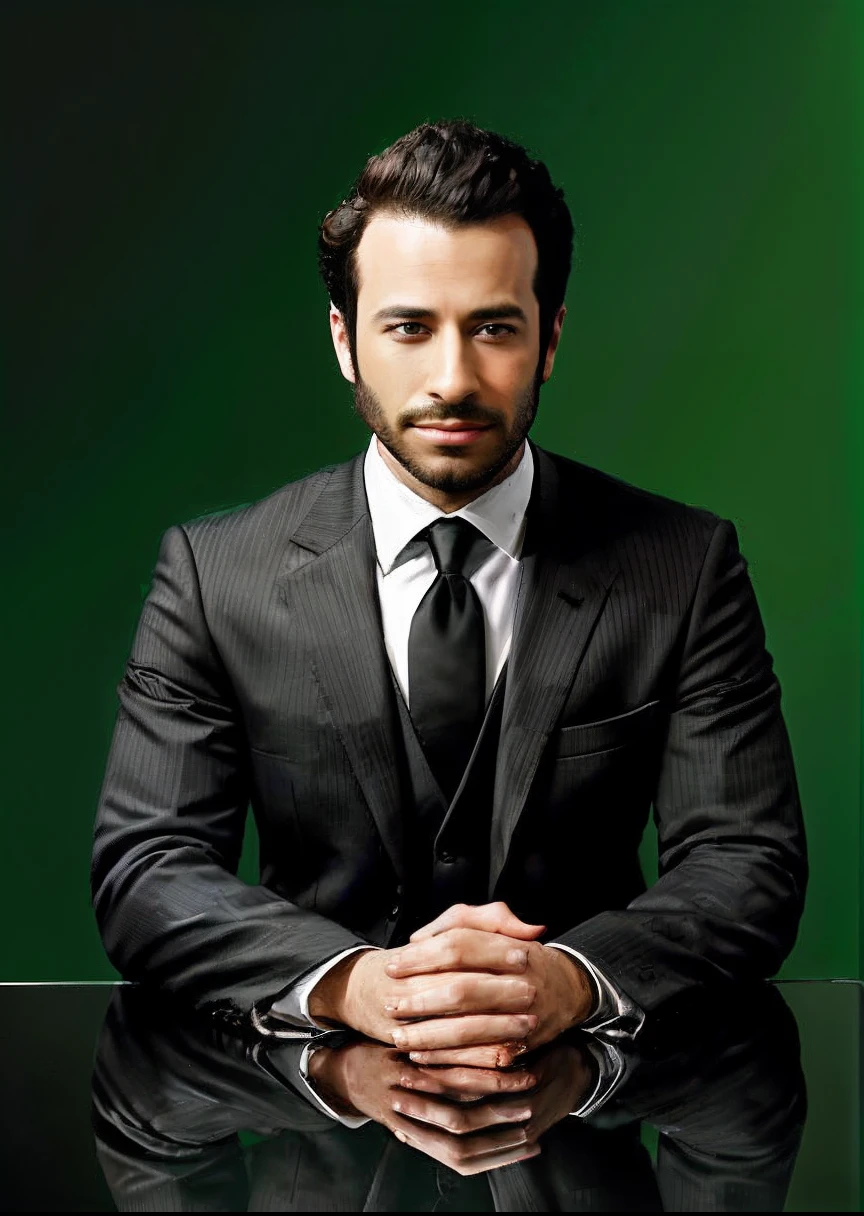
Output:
(616, 1016)
(611, 1067)
(292, 1008)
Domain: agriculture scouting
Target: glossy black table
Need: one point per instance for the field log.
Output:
(113, 1102)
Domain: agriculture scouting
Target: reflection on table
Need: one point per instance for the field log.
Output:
(187, 1117)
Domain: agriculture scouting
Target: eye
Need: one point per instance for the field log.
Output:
(402, 324)
(508, 329)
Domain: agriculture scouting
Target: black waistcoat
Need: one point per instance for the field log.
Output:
(447, 846)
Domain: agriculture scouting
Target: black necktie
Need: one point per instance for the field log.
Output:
(447, 654)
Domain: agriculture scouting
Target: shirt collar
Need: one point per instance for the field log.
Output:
(398, 514)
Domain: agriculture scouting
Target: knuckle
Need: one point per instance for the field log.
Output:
(457, 993)
(450, 955)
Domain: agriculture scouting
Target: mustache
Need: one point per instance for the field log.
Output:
(467, 413)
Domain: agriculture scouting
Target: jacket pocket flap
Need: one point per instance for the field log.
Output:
(605, 734)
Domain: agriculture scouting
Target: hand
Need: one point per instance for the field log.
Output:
(366, 1078)
(469, 1119)
(370, 1079)
(561, 1077)
(563, 994)
(361, 992)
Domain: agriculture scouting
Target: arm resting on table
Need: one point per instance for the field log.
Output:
(732, 855)
(169, 826)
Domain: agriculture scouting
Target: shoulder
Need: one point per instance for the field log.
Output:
(647, 534)
(252, 524)
(614, 496)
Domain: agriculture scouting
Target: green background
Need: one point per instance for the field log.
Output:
(168, 352)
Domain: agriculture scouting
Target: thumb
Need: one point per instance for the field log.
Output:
(492, 918)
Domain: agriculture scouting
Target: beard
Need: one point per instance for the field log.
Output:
(463, 475)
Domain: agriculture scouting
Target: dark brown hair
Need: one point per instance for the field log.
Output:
(452, 172)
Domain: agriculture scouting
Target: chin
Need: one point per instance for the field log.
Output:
(455, 472)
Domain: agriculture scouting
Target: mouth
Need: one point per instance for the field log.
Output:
(452, 432)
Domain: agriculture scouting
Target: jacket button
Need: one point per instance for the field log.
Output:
(394, 911)
(447, 858)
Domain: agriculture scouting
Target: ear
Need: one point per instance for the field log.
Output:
(553, 342)
(339, 334)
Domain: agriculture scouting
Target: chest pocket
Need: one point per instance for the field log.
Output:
(607, 734)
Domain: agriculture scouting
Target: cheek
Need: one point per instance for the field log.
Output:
(511, 383)
(397, 383)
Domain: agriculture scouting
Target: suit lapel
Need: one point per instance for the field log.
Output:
(567, 576)
(329, 585)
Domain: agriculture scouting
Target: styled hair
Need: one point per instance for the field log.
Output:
(451, 172)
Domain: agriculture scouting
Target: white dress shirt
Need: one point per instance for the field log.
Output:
(397, 515)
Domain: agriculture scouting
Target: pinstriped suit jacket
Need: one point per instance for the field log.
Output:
(638, 677)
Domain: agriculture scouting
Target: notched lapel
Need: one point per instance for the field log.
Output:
(328, 584)
(567, 576)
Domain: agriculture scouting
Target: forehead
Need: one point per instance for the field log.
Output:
(400, 254)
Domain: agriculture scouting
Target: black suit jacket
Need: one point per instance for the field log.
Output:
(638, 675)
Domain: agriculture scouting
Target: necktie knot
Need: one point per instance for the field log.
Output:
(453, 542)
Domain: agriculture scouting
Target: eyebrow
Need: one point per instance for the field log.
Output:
(489, 312)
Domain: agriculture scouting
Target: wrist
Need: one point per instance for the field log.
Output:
(327, 1077)
(330, 999)
(579, 992)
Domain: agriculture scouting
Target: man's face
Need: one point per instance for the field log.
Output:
(447, 332)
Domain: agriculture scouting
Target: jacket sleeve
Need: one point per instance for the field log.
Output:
(170, 821)
(732, 861)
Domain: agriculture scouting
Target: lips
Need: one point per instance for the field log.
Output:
(452, 426)
(452, 434)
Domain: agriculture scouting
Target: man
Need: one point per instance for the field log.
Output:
(452, 676)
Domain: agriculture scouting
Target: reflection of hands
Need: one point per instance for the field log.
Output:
(470, 1119)
(551, 988)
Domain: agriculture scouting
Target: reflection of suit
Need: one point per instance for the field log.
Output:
(637, 673)
(170, 1098)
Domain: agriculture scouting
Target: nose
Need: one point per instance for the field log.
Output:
(452, 374)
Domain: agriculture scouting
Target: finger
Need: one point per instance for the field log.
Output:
(463, 1031)
(487, 1055)
(460, 1120)
(466, 1084)
(493, 918)
(460, 950)
(465, 993)
(470, 1155)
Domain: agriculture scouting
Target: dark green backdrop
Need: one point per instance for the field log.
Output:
(168, 350)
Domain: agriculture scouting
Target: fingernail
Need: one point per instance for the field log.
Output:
(401, 1136)
(523, 1114)
(530, 1020)
(419, 1057)
(397, 1105)
(391, 1006)
(400, 1038)
(517, 958)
